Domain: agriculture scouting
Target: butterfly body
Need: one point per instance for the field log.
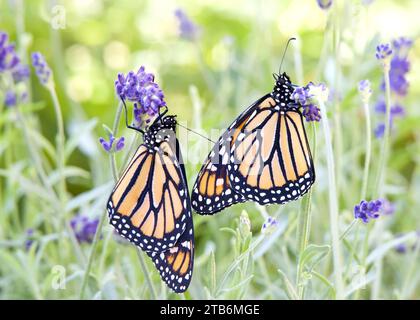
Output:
(263, 156)
(150, 204)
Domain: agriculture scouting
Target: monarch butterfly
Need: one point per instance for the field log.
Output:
(150, 204)
(263, 156)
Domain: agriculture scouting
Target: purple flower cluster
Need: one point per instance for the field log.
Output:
(397, 111)
(404, 247)
(10, 99)
(29, 235)
(303, 96)
(269, 225)
(11, 63)
(367, 210)
(141, 89)
(399, 67)
(324, 4)
(383, 51)
(84, 228)
(42, 68)
(8, 56)
(388, 208)
(109, 145)
(187, 29)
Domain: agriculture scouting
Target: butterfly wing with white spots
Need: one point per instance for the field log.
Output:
(212, 191)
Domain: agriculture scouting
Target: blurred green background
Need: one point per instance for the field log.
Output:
(207, 82)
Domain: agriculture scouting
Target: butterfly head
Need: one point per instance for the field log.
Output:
(282, 90)
(163, 128)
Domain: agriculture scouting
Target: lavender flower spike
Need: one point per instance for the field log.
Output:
(42, 68)
(269, 225)
(8, 57)
(383, 51)
(10, 99)
(141, 89)
(84, 228)
(367, 210)
(109, 145)
(365, 90)
(187, 29)
(324, 4)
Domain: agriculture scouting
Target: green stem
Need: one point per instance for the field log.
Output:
(346, 232)
(338, 140)
(383, 156)
(333, 206)
(117, 119)
(381, 179)
(60, 143)
(146, 274)
(377, 283)
(92, 254)
(368, 149)
(304, 225)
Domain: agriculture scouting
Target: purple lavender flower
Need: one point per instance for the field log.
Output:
(141, 89)
(311, 112)
(324, 4)
(388, 208)
(120, 144)
(42, 68)
(109, 145)
(29, 239)
(269, 225)
(10, 99)
(187, 29)
(402, 43)
(84, 228)
(365, 86)
(20, 73)
(379, 130)
(367, 210)
(401, 248)
(300, 95)
(397, 110)
(383, 51)
(400, 66)
(8, 57)
(305, 98)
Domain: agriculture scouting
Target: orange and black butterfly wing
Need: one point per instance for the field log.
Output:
(175, 265)
(212, 191)
(150, 204)
(272, 163)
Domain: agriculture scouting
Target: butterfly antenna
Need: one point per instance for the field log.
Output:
(197, 133)
(284, 53)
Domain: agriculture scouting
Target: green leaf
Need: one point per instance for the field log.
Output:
(88, 196)
(312, 255)
(68, 172)
(290, 289)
